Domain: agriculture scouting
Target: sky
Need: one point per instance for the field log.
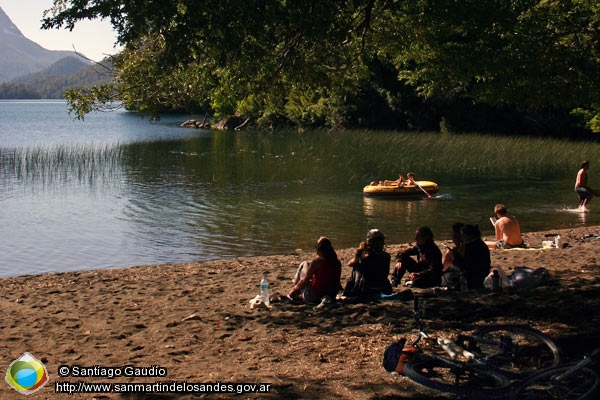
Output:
(94, 39)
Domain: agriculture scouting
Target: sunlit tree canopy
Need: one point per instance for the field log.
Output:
(341, 63)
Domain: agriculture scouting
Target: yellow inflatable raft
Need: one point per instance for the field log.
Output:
(421, 189)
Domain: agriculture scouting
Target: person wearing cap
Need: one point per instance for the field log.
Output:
(320, 277)
(424, 271)
(370, 269)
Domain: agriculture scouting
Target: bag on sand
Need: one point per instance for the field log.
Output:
(451, 278)
(396, 356)
(526, 278)
(504, 280)
(522, 278)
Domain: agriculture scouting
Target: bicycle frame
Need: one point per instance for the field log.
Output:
(574, 381)
(482, 364)
(579, 365)
(449, 346)
(495, 346)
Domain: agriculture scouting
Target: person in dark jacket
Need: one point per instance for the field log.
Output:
(473, 257)
(425, 270)
(370, 269)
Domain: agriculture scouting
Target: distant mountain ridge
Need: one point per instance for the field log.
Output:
(54, 81)
(21, 56)
(63, 67)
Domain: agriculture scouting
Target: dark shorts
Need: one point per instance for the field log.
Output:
(583, 193)
(500, 244)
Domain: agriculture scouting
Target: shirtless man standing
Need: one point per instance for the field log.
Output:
(508, 231)
(584, 192)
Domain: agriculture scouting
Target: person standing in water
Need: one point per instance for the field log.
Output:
(582, 189)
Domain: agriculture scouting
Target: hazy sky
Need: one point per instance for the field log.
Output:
(94, 39)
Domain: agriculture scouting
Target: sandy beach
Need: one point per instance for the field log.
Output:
(192, 324)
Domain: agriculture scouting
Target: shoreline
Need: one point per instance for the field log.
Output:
(195, 320)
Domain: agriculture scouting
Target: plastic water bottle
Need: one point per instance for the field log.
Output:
(264, 290)
(557, 242)
(495, 281)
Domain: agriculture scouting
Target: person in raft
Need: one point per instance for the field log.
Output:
(508, 230)
(410, 179)
(584, 192)
(370, 269)
(398, 182)
(320, 277)
(426, 270)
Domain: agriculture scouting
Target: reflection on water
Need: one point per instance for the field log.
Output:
(400, 210)
(193, 195)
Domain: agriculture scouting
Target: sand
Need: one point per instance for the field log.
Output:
(194, 324)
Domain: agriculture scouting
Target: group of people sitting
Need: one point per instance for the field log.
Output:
(468, 260)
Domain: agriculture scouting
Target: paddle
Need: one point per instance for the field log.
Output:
(425, 191)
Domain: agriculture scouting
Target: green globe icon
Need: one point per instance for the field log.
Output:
(26, 374)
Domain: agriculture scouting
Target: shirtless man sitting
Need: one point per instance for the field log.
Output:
(508, 231)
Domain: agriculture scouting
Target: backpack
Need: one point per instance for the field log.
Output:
(451, 278)
(396, 356)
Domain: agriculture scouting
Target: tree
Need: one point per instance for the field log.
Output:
(232, 55)
(310, 61)
(528, 53)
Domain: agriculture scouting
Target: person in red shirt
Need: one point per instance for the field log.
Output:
(320, 277)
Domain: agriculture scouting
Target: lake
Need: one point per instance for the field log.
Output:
(117, 190)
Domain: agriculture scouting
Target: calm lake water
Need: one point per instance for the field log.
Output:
(117, 190)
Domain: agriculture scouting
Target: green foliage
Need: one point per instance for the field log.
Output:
(313, 62)
(590, 117)
(85, 100)
(527, 53)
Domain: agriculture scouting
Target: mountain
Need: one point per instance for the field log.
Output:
(63, 67)
(21, 56)
(54, 81)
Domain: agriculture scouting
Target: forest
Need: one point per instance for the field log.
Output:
(53, 86)
(459, 65)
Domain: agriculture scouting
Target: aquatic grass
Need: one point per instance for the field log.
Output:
(463, 156)
(356, 157)
(313, 157)
(41, 167)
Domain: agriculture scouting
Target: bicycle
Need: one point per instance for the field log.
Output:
(574, 381)
(483, 364)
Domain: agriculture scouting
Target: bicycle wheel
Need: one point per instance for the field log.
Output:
(517, 351)
(466, 380)
(582, 384)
